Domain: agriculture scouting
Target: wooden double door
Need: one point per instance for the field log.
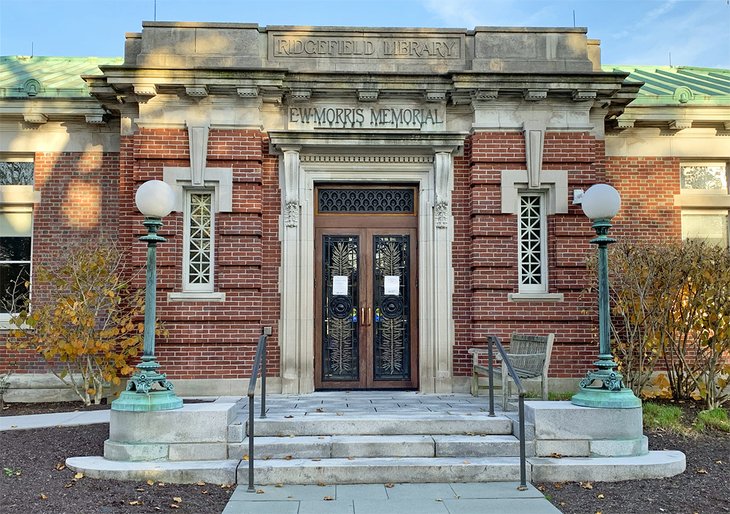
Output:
(365, 302)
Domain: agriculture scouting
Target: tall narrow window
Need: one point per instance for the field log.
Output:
(532, 244)
(16, 231)
(199, 229)
(15, 259)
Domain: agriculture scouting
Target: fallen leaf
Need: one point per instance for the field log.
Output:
(339, 413)
(161, 484)
(541, 488)
(245, 457)
(466, 462)
(328, 498)
(177, 499)
(78, 476)
(200, 483)
(260, 491)
(321, 484)
(558, 485)
(600, 497)
(350, 458)
(389, 486)
(701, 471)
(316, 460)
(174, 506)
(288, 457)
(150, 482)
(586, 485)
(319, 409)
(60, 466)
(43, 497)
(139, 489)
(70, 484)
(134, 502)
(279, 485)
(718, 462)
(556, 456)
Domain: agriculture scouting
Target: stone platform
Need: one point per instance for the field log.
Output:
(366, 437)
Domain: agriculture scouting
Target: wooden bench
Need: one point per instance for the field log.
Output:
(530, 358)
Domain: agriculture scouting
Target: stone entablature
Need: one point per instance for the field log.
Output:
(321, 49)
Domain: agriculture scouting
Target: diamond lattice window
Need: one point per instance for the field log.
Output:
(199, 244)
(532, 244)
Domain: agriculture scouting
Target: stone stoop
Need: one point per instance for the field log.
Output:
(405, 449)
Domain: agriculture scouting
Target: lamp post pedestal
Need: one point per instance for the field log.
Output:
(609, 391)
(140, 396)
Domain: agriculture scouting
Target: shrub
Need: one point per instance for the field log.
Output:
(88, 331)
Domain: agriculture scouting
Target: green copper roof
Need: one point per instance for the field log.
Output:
(680, 85)
(48, 77)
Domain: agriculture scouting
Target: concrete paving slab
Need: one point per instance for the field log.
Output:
(326, 507)
(286, 492)
(401, 506)
(362, 492)
(420, 491)
(274, 507)
(503, 506)
(494, 490)
(60, 419)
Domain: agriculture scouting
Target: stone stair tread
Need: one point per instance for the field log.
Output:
(382, 425)
(379, 470)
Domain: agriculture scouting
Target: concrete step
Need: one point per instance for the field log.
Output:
(324, 447)
(327, 424)
(382, 470)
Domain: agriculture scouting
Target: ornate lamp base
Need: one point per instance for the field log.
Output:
(133, 401)
(140, 397)
(610, 394)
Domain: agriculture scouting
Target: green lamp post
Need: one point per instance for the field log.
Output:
(603, 387)
(155, 199)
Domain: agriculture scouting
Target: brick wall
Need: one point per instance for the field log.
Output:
(647, 186)
(210, 339)
(79, 202)
(485, 251)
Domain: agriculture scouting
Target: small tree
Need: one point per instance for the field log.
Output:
(88, 330)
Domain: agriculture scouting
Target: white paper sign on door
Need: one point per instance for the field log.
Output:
(339, 285)
(392, 285)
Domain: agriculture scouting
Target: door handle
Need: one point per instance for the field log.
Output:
(363, 319)
(370, 316)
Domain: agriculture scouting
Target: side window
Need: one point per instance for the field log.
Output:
(705, 201)
(16, 233)
(532, 243)
(199, 241)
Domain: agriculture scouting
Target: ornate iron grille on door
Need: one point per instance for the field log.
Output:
(391, 290)
(340, 297)
(363, 200)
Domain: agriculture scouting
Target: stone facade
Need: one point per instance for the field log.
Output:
(259, 117)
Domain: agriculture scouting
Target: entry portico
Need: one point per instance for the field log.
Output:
(488, 126)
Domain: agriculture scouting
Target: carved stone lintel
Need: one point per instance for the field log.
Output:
(291, 214)
(441, 214)
(534, 138)
(248, 92)
(198, 141)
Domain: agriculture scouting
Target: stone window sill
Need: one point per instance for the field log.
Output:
(196, 297)
(535, 297)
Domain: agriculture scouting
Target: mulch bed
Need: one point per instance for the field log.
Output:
(34, 479)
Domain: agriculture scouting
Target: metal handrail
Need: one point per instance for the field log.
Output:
(521, 401)
(259, 365)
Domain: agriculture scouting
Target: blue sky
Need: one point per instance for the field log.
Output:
(694, 32)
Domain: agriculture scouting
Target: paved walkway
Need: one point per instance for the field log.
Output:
(437, 498)
(471, 498)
